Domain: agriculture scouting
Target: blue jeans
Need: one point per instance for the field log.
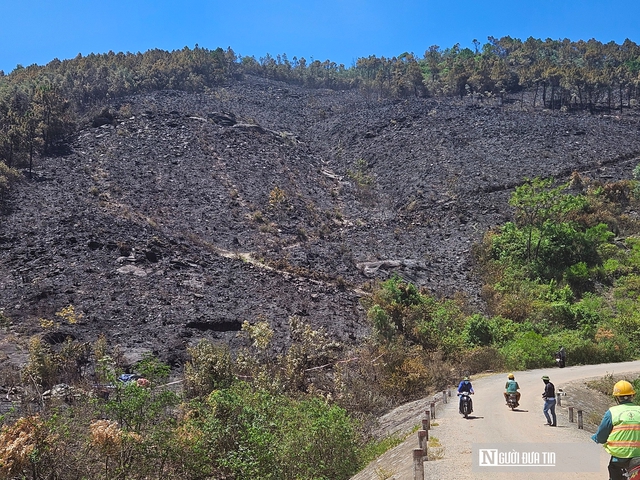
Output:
(550, 404)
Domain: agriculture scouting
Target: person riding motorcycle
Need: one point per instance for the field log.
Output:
(619, 431)
(511, 387)
(464, 386)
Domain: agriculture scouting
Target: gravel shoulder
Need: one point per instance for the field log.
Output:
(453, 437)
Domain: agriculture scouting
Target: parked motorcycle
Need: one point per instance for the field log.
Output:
(512, 401)
(466, 405)
(559, 360)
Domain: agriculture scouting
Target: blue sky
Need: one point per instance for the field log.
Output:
(38, 31)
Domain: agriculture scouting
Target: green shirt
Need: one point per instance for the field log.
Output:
(511, 386)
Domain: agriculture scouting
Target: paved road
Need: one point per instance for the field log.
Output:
(493, 422)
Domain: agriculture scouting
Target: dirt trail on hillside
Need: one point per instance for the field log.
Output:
(492, 422)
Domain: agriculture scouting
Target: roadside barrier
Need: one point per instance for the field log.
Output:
(418, 465)
(580, 419)
(423, 441)
(421, 454)
(579, 412)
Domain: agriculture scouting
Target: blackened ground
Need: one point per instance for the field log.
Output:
(192, 213)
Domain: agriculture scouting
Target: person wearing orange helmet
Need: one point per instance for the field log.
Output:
(619, 431)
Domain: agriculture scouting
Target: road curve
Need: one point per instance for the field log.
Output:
(493, 422)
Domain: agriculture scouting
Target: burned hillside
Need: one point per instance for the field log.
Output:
(185, 214)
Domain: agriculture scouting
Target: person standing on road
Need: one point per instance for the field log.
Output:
(619, 431)
(549, 396)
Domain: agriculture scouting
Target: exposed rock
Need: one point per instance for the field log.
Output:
(132, 270)
(224, 119)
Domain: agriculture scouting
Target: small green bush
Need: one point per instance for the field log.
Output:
(578, 276)
(208, 368)
(478, 331)
(528, 350)
(503, 330)
(589, 312)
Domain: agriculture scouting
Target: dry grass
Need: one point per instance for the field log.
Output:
(435, 450)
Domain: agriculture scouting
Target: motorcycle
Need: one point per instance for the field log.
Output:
(632, 471)
(559, 360)
(512, 401)
(466, 405)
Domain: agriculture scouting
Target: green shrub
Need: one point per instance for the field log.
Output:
(208, 368)
(627, 286)
(478, 331)
(399, 312)
(400, 301)
(577, 275)
(528, 350)
(627, 324)
(503, 330)
(137, 408)
(151, 368)
(383, 328)
(589, 312)
(319, 441)
(250, 433)
(555, 313)
(516, 297)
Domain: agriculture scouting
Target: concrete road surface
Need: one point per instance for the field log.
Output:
(493, 424)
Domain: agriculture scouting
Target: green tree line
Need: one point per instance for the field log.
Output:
(40, 105)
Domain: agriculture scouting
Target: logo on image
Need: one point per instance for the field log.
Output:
(536, 457)
(492, 457)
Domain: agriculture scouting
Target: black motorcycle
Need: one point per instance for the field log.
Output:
(559, 360)
(466, 405)
(512, 401)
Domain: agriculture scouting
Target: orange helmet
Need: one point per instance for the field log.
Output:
(623, 389)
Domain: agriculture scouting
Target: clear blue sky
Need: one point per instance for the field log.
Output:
(37, 31)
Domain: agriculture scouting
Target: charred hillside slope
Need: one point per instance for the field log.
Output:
(188, 214)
